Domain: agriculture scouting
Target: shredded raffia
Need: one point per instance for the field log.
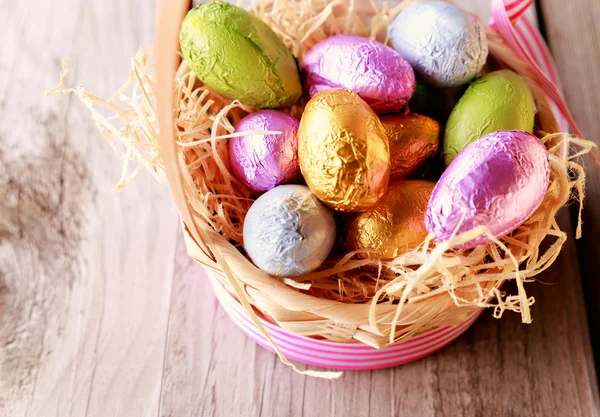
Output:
(131, 119)
(372, 301)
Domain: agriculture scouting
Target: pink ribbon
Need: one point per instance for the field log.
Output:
(514, 9)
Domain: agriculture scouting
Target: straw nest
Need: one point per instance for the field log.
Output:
(348, 299)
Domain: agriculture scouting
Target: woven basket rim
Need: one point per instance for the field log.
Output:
(202, 241)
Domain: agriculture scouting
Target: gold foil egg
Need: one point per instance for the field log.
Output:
(396, 224)
(343, 151)
(413, 140)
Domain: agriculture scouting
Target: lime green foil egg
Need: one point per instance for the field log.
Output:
(237, 55)
(497, 101)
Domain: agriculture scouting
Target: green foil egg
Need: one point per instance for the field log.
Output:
(497, 101)
(237, 55)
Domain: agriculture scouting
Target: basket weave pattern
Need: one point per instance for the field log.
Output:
(419, 291)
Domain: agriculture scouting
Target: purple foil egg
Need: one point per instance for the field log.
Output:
(376, 72)
(498, 181)
(264, 161)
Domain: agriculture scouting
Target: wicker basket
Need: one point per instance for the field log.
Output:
(336, 334)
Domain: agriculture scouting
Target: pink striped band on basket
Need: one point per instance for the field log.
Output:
(509, 21)
(340, 355)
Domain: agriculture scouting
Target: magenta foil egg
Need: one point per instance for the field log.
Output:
(377, 73)
(498, 181)
(264, 161)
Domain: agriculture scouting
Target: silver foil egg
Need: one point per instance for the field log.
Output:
(288, 232)
(444, 44)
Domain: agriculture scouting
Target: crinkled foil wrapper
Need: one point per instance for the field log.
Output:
(264, 161)
(239, 56)
(375, 71)
(500, 100)
(498, 181)
(444, 44)
(343, 151)
(394, 225)
(413, 140)
(288, 232)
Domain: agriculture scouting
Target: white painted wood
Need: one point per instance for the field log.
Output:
(103, 314)
(85, 273)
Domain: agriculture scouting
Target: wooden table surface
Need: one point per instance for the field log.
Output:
(103, 314)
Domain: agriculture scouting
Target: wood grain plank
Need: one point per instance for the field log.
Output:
(84, 272)
(576, 24)
(85, 277)
(499, 367)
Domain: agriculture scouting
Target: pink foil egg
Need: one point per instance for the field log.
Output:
(377, 73)
(264, 161)
(498, 181)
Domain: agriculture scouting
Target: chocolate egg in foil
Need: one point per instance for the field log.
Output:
(377, 73)
(343, 151)
(396, 224)
(500, 100)
(413, 140)
(445, 45)
(263, 161)
(239, 56)
(288, 232)
(498, 181)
